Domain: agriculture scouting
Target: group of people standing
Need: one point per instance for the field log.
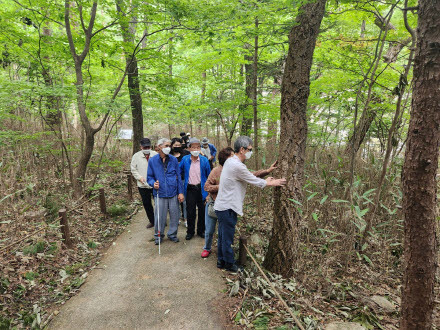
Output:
(181, 177)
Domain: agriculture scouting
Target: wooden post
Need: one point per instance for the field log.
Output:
(64, 226)
(242, 254)
(102, 201)
(130, 186)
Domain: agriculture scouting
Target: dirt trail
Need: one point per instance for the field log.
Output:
(138, 289)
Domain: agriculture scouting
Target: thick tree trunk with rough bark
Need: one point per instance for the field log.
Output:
(295, 90)
(419, 174)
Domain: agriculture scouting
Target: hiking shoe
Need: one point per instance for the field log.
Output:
(220, 264)
(205, 253)
(156, 242)
(188, 237)
(150, 225)
(186, 224)
(174, 239)
(233, 268)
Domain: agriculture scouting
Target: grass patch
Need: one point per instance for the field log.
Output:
(39, 247)
(117, 210)
(31, 276)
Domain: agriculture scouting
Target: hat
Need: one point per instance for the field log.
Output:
(188, 134)
(205, 140)
(193, 140)
(182, 133)
(145, 142)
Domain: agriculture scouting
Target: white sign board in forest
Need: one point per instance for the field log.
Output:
(125, 134)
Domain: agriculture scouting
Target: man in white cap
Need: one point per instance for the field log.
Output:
(139, 168)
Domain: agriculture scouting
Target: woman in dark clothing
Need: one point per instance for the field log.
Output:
(178, 152)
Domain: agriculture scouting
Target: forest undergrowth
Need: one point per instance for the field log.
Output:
(38, 273)
(336, 278)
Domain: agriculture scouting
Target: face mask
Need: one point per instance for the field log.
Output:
(166, 151)
(146, 152)
(248, 154)
(195, 153)
(177, 149)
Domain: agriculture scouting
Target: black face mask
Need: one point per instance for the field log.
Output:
(177, 149)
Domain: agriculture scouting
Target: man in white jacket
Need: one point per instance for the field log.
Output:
(139, 168)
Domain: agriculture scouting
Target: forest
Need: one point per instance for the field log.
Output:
(343, 94)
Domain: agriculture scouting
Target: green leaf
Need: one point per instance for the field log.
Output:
(339, 201)
(367, 259)
(295, 201)
(323, 199)
(315, 216)
(368, 192)
(311, 196)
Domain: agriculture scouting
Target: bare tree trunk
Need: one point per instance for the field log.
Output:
(282, 252)
(246, 123)
(255, 108)
(391, 133)
(419, 174)
(128, 35)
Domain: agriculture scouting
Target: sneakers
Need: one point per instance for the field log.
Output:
(220, 264)
(186, 224)
(201, 235)
(188, 237)
(174, 239)
(150, 225)
(205, 253)
(156, 242)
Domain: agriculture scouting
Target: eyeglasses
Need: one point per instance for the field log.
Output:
(248, 149)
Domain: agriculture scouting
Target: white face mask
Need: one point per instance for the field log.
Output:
(195, 153)
(166, 151)
(248, 154)
(146, 152)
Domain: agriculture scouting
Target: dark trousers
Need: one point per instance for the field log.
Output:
(146, 195)
(194, 201)
(226, 230)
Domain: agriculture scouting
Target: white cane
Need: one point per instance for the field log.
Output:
(158, 218)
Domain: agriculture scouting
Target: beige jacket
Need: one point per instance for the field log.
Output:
(139, 167)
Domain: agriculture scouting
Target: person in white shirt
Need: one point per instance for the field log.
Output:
(229, 202)
(139, 168)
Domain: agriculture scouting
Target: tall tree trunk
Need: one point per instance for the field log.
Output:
(255, 109)
(419, 174)
(295, 89)
(128, 35)
(403, 81)
(246, 123)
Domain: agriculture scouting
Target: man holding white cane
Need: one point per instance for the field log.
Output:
(164, 176)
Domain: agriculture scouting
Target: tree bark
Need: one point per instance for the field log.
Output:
(246, 123)
(419, 174)
(361, 130)
(128, 35)
(281, 255)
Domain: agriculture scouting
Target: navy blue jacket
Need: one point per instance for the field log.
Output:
(170, 182)
(212, 150)
(205, 169)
